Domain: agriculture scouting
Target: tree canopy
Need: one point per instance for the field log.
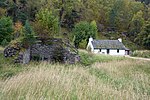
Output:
(49, 17)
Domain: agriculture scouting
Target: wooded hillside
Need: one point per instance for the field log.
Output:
(129, 19)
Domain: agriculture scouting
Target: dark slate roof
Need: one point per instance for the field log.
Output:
(108, 44)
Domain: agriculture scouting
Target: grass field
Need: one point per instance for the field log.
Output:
(108, 78)
(1, 49)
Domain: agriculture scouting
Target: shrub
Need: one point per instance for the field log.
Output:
(86, 59)
(48, 22)
(83, 44)
(6, 28)
(144, 53)
(4, 43)
(84, 30)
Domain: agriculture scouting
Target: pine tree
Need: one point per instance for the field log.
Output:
(28, 37)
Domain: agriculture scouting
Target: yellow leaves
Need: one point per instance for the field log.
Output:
(18, 26)
(17, 29)
(2, 12)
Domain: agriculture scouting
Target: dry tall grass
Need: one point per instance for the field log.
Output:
(115, 80)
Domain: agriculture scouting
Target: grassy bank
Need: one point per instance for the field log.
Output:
(103, 80)
(141, 53)
(1, 49)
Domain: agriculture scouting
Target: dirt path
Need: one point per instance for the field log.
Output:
(138, 58)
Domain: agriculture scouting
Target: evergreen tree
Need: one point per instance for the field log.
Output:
(83, 31)
(28, 37)
(6, 28)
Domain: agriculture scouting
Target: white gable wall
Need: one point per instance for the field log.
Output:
(90, 45)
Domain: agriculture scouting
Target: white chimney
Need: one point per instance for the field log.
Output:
(120, 40)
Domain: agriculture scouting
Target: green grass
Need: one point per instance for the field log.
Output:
(88, 59)
(1, 49)
(8, 68)
(141, 53)
(107, 78)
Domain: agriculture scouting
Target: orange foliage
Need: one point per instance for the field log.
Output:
(17, 29)
(18, 26)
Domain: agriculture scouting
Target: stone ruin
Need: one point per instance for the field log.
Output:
(55, 50)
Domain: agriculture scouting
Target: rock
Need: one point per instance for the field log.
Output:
(53, 52)
(10, 51)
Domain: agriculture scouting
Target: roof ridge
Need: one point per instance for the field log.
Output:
(105, 40)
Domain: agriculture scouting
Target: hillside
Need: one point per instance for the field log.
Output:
(126, 41)
(119, 78)
(79, 19)
(44, 43)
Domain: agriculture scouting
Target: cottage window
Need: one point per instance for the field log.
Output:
(117, 50)
(108, 51)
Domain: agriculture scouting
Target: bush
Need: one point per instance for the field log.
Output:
(4, 43)
(6, 28)
(83, 44)
(48, 23)
(88, 59)
(144, 54)
(83, 30)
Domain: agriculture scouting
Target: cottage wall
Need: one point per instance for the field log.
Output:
(114, 52)
(96, 51)
(103, 51)
(111, 52)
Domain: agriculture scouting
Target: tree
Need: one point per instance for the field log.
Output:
(116, 14)
(93, 28)
(136, 24)
(143, 38)
(28, 35)
(66, 10)
(6, 28)
(17, 9)
(2, 12)
(84, 30)
(22, 11)
(49, 22)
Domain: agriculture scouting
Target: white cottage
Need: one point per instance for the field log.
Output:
(111, 47)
